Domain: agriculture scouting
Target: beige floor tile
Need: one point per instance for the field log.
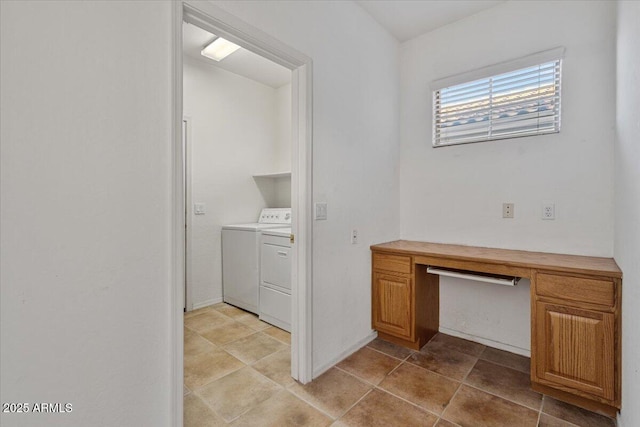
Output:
(575, 415)
(444, 423)
(193, 313)
(205, 321)
(445, 361)
(238, 392)
(229, 310)
(368, 364)
(496, 391)
(203, 368)
(474, 408)
(333, 392)
(277, 367)
(283, 410)
(380, 409)
(194, 344)
(198, 414)
(254, 347)
(227, 333)
(421, 387)
(549, 421)
(455, 343)
(504, 382)
(511, 360)
(278, 334)
(393, 350)
(252, 321)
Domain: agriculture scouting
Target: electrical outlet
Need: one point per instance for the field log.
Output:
(507, 210)
(354, 237)
(549, 211)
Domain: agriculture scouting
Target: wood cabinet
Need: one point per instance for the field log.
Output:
(575, 311)
(393, 311)
(575, 325)
(404, 302)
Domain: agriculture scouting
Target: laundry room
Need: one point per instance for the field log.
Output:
(237, 132)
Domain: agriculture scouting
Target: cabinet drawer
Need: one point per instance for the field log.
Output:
(397, 263)
(580, 289)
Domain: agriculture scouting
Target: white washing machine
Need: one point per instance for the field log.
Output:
(241, 257)
(275, 278)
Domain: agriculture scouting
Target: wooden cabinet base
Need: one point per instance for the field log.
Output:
(582, 402)
(575, 311)
(413, 345)
(405, 306)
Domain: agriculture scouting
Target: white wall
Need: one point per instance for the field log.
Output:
(455, 194)
(627, 202)
(283, 128)
(283, 146)
(355, 149)
(86, 211)
(235, 129)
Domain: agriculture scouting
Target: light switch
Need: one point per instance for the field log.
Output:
(321, 211)
(198, 208)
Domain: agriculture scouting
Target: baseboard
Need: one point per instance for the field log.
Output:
(207, 303)
(346, 353)
(488, 342)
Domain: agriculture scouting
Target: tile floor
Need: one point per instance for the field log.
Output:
(237, 373)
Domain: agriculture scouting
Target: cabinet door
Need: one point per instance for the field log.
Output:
(393, 304)
(574, 349)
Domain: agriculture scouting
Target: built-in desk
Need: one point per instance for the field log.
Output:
(575, 311)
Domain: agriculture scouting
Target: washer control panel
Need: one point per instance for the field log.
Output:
(275, 216)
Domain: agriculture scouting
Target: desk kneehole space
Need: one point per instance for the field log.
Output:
(575, 310)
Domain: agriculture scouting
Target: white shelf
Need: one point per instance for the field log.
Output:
(273, 175)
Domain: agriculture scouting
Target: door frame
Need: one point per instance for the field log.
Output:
(222, 23)
(188, 206)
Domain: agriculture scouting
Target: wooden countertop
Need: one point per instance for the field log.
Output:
(515, 258)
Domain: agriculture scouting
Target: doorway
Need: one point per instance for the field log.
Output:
(239, 110)
(219, 22)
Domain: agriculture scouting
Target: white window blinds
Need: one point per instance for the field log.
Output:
(517, 103)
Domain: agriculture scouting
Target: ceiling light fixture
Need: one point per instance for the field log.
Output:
(219, 49)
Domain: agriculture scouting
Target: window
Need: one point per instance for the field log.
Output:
(522, 101)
